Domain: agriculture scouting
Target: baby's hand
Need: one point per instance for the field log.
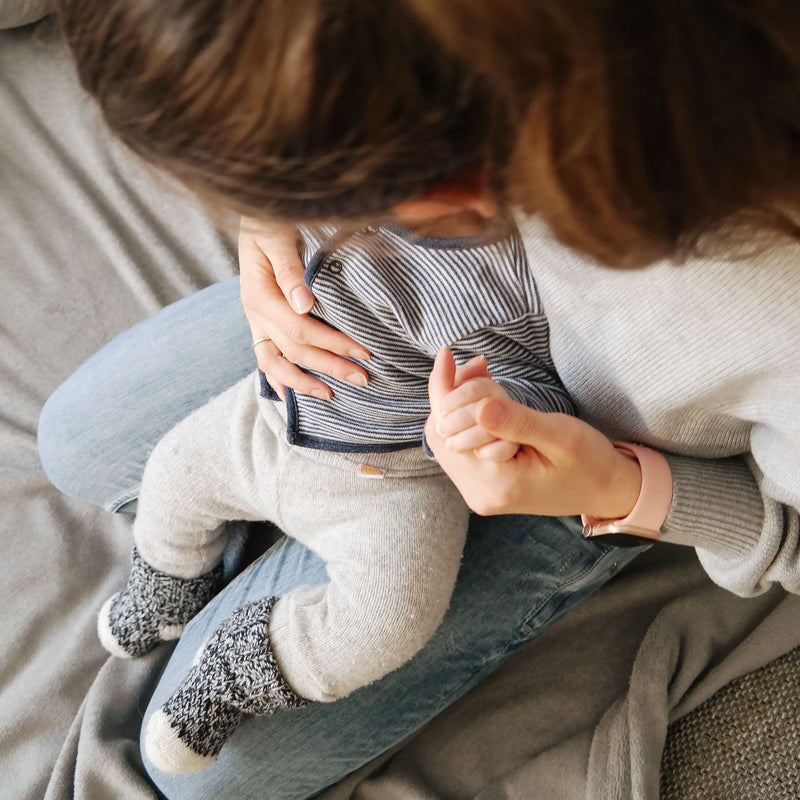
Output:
(456, 422)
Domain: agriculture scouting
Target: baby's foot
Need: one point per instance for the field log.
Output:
(154, 607)
(235, 673)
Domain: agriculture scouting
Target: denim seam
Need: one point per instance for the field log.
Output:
(526, 622)
(122, 500)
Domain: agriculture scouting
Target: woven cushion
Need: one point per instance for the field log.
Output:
(743, 743)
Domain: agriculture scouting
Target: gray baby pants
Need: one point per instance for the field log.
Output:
(392, 544)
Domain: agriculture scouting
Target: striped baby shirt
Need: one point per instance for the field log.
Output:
(403, 296)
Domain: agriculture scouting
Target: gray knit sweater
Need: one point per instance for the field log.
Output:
(701, 361)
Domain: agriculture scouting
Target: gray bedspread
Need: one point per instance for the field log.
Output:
(89, 244)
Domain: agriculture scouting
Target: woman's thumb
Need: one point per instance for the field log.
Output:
(508, 420)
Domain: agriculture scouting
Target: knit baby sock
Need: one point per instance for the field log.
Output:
(234, 673)
(154, 607)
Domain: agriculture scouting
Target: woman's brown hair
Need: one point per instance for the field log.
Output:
(638, 130)
(646, 128)
(298, 109)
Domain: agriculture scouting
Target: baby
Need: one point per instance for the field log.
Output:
(348, 477)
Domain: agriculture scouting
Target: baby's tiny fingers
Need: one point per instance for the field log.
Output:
(498, 450)
(474, 368)
(470, 392)
(469, 439)
(455, 422)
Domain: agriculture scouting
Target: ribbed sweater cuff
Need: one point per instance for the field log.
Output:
(716, 506)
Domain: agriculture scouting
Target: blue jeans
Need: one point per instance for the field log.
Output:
(519, 573)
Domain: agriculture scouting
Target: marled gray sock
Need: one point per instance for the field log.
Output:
(154, 607)
(235, 673)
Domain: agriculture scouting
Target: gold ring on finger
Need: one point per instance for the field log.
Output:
(260, 340)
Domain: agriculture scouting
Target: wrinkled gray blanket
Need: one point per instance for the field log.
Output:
(89, 244)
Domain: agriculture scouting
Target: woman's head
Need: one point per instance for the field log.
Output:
(634, 129)
(303, 109)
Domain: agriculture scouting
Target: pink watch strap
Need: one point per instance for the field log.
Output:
(655, 496)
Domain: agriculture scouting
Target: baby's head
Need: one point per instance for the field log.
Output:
(297, 109)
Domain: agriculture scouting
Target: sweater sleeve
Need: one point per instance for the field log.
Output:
(744, 530)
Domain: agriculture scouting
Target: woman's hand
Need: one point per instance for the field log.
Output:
(276, 302)
(563, 465)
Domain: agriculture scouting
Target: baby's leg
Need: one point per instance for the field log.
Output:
(392, 548)
(208, 469)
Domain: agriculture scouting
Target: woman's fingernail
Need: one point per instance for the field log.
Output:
(357, 378)
(321, 394)
(302, 300)
(358, 353)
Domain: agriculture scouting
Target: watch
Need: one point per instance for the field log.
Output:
(643, 524)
